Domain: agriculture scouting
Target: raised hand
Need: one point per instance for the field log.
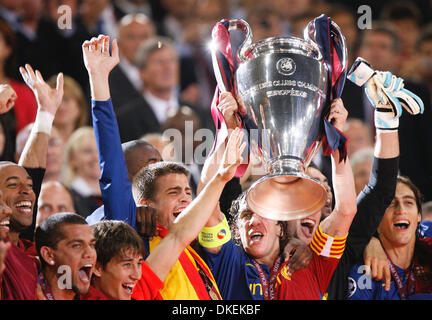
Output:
(232, 155)
(48, 99)
(97, 58)
(8, 97)
(229, 107)
(338, 114)
(99, 63)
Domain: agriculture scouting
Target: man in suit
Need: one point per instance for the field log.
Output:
(380, 47)
(158, 62)
(125, 81)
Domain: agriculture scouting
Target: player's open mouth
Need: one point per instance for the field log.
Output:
(256, 236)
(128, 288)
(308, 226)
(177, 213)
(401, 224)
(85, 273)
(24, 206)
(4, 224)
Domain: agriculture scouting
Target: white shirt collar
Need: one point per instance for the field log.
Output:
(160, 106)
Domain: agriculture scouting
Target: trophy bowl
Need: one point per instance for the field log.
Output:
(282, 82)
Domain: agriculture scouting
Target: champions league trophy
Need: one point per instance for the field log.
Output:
(283, 84)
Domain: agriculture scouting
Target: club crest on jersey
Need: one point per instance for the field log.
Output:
(352, 287)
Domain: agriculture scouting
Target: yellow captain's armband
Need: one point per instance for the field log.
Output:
(327, 246)
(211, 237)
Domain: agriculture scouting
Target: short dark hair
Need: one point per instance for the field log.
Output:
(114, 238)
(129, 151)
(144, 182)
(401, 10)
(50, 232)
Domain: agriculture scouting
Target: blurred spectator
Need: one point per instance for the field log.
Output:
(346, 19)
(73, 111)
(406, 18)
(24, 111)
(81, 171)
(187, 123)
(73, 36)
(125, 81)
(197, 80)
(100, 17)
(55, 151)
(38, 41)
(132, 6)
(53, 198)
(359, 135)
(427, 211)
(264, 21)
(361, 163)
(300, 22)
(158, 62)
(173, 25)
(7, 140)
(291, 10)
(424, 50)
(10, 11)
(419, 67)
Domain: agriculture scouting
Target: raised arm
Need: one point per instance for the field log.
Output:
(190, 222)
(48, 101)
(338, 222)
(114, 182)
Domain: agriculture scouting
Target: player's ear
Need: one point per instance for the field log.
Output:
(47, 254)
(97, 271)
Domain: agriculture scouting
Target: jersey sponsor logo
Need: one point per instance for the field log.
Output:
(221, 234)
(352, 287)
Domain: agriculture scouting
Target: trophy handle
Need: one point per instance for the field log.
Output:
(243, 26)
(336, 32)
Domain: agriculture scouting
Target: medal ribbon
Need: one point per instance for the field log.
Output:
(268, 285)
(45, 287)
(409, 287)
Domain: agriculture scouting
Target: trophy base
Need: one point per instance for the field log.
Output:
(286, 196)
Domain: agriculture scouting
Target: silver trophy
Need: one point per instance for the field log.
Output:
(283, 84)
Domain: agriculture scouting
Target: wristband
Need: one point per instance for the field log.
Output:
(43, 122)
(385, 120)
(211, 237)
